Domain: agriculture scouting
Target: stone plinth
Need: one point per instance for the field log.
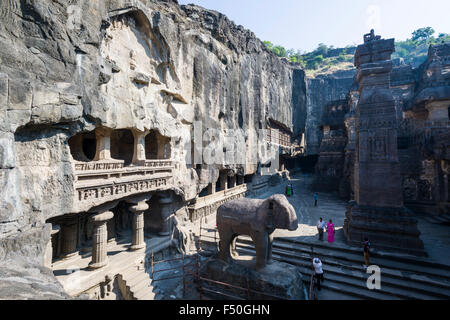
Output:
(99, 240)
(69, 238)
(277, 280)
(391, 229)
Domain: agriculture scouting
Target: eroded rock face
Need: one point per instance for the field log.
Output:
(67, 69)
(321, 91)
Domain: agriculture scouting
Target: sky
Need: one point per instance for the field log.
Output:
(302, 24)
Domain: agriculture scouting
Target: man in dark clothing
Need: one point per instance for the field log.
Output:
(366, 253)
(320, 226)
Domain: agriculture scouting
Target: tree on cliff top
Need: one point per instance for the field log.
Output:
(422, 34)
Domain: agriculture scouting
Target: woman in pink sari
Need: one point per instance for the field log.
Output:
(330, 230)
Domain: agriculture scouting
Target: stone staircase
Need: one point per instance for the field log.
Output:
(438, 219)
(136, 284)
(402, 276)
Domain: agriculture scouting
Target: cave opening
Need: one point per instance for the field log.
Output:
(83, 146)
(122, 145)
(157, 146)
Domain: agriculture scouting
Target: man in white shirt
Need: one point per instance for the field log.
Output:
(318, 272)
(320, 226)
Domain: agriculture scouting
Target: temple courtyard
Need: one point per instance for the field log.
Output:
(345, 277)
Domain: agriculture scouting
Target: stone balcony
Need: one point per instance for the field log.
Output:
(102, 181)
(204, 206)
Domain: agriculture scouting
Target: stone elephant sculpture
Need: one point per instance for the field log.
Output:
(256, 218)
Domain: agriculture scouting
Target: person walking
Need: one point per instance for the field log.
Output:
(330, 230)
(316, 196)
(292, 188)
(318, 271)
(320, 227)
(366, 251)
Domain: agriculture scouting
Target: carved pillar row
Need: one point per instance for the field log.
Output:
(48, 257)
(139, 147)
(99, 239)
(69, 238)
(137, 235)
(103, 150)
(166, 212)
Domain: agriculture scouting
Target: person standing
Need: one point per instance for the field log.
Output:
(292, 188)
(320, 226)
(318, 271)
(366, 253)
(330, 230)
(316, 196)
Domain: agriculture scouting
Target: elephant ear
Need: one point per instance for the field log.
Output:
(260, 220)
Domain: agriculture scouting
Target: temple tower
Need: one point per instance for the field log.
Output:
(378, 212)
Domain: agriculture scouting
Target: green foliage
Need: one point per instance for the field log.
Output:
(268, 44)
(325, 57)
(422, 34)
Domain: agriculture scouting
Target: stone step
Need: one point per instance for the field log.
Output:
(398, 288)
(438, 278)
(138, 283)
(147, 295)
(344, 290)
(437, 219)
(350, 285)
(405, 261)
(421, 282)
(327, 294)
(138, 278)
(137, 286)
(402, 288)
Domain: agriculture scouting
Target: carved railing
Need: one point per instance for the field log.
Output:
(207, 205)
(98, 165)
(97, 182)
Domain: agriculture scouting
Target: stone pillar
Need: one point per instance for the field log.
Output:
(232, 182)
(166, 212)
(69, 239)
(139, 147)
(99, 239)
(378, 212)
(212, 188)
(223, 181)
(137, 235)
(111, 227)
(103, 150)
(48, 257)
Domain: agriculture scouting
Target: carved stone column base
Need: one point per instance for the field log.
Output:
(98, 265)
(134, 247)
